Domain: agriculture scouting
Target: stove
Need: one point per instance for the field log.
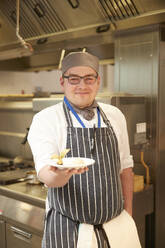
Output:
(11, 172)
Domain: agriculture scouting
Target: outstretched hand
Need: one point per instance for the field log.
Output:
(68, 171)
(55, 177)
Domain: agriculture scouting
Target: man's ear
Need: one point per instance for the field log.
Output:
(98, 80)
(62, 81)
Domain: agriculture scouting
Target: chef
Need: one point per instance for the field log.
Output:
(89, 206)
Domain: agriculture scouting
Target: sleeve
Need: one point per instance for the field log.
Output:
(118, 122)
(126, 158)
(41, 138)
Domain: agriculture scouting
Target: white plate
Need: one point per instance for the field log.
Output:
(70, 163)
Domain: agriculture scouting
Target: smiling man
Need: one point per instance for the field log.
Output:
(82, 84)
(93, 202)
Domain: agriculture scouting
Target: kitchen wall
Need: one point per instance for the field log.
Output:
(15, 82)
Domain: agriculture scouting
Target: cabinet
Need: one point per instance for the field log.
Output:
(13, 236)
(21, 223)
(2, 234)
(18, 237)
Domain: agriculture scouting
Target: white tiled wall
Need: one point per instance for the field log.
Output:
(15, 82)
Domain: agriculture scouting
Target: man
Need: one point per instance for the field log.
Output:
(85, 205)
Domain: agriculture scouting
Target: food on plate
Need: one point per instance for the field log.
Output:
(61, 156)
(75, 161)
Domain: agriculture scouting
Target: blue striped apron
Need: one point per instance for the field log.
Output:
(93, 197)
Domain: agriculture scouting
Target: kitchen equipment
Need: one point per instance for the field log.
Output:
(11, 172)
(18, 160)
(31, 177)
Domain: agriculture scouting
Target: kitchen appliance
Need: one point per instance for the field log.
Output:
(11, 172)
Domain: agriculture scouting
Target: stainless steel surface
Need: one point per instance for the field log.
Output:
(22, 214)
(14, 175)
(2, 234)
(41, 103)
(22, 218)
(15, 117)
(139, 69)
(51, 28)
(22, 191)
(46, 18)
(134, 109)
(18, 237)
(15, 105)
(160, 152)
(21, 232)
(136, 72)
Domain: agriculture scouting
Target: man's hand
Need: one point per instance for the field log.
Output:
(55, 177)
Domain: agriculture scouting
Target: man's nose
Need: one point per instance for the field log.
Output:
(82, 82)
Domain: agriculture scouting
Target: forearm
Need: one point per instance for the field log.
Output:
(127, 188)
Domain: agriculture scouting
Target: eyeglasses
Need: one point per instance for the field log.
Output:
(75, 79)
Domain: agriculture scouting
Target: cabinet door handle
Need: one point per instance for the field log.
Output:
(20, 232)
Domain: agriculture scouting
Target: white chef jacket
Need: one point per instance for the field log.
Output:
(48, 133)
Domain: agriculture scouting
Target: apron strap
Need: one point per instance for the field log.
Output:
(101, 229)
(67, 115)
(70, 108)
(106, 121)
(100, 112)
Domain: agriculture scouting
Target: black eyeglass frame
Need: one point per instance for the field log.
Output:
(80, 78)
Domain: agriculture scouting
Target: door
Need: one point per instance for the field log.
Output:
(19, 238)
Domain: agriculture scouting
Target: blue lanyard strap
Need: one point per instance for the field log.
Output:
(99, 118)
(76, 115)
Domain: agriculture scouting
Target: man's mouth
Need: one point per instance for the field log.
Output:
(82, 93)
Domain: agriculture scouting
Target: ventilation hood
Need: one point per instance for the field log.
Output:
(53, 25)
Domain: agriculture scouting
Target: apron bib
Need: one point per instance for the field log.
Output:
(94, 197)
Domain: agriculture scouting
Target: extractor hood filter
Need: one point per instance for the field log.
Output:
(36, 17)
(116, 10)
(43, 18)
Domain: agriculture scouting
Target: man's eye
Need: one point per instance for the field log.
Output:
(89, 78)
(74, 78)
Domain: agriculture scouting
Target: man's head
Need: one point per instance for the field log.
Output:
(80, 80)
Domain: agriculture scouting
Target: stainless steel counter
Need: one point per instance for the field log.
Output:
(23, 205)
(22, 215)
(33, 194)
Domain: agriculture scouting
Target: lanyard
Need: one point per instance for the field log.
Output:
(78, 118)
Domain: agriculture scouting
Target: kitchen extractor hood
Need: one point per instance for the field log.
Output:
(52, 25)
